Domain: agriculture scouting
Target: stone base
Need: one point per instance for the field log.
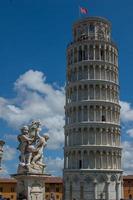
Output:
(32, 169)
(30, 186)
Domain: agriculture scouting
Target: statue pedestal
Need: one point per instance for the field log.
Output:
(30, 186)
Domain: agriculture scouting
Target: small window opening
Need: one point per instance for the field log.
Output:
(103, 118)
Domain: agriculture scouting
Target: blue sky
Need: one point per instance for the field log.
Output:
(33, 39)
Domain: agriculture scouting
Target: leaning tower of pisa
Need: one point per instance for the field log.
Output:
(92, 152)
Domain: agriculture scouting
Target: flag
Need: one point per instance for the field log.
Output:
(83, 10)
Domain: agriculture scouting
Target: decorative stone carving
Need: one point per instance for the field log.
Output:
(31, 145)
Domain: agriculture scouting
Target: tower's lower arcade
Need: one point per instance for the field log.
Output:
(93, 185)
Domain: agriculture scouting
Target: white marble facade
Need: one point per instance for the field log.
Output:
(92, 152)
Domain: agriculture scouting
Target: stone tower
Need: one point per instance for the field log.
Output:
(92, 152)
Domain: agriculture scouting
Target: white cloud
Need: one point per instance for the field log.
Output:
(10, 137)
(126, 112)
(127, 158)
(13, 109)
(126, 118)
(54, 166)
(4, 172)
(9, 153)
(130, 132)
(36, 99)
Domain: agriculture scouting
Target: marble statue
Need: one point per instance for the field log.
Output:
(31, 146)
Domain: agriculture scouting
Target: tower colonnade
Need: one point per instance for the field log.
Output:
(93, 113)
(103, 71)
(101, 52)
(92, 152)
(94, 91)
(100, 159)
(92, 136)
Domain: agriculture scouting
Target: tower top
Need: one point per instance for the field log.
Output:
(92, 28)
(92, 19)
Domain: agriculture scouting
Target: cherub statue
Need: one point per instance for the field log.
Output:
(31, 146)
(38, 156)
(25, 141)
